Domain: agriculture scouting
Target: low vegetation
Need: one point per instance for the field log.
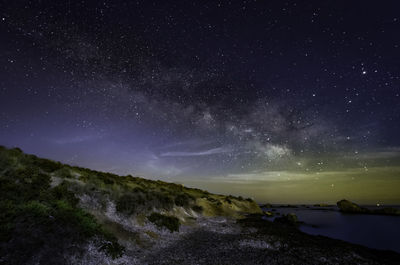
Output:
(32, 212)
(197, 208)
(170, 222)
(41, 202)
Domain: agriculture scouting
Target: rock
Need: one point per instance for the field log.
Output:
(288, 219)
(267, 205)
(322, 205)
(268, 213)
(350, 207)
(387, 211)
(288, 206)
(292, 217)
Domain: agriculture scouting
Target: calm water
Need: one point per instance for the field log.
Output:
(374, 231)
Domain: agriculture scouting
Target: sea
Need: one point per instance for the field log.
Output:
(374, 231)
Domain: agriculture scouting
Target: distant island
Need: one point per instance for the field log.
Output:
(351, 207)
(53, 213)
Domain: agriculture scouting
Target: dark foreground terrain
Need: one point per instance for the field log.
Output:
(52, 213)
(255, 241)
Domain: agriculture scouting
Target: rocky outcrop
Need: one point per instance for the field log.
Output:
(322, 205)
(387, 211)
(351, 207)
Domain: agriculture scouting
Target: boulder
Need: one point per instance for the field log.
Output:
(288, 219)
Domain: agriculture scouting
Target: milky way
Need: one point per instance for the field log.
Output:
(283, 101)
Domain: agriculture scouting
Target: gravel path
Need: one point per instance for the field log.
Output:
(229, 243)
(254, 241)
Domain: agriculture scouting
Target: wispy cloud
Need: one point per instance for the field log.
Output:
(284, 175)
(157, 166)
(192, 143)
(212, 151)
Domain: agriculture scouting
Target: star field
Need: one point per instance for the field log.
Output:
(232, 96)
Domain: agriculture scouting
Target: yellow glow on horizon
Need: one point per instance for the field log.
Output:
(377, 184)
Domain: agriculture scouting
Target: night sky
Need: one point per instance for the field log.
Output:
(282, 101)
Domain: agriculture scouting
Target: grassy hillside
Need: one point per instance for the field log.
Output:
(43, 201)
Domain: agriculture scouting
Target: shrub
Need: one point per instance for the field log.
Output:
(210, 199)
(61, 192)
(63, 172)
(107, 178)
(84, 223)
(108, 181)
(170, 222)
(47, 165)
(7, 215)
(34, 216)
(9, 190)
(128, 203)
(36, 209)
(112, 247)
(162, 200)
(138, 190)
(197, 208)
(183, 200)
(228, 200)
(27, 183)
(15, 151)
